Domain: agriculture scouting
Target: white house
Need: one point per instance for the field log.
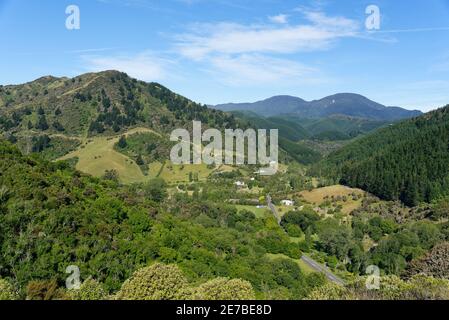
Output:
(239, 184)
(288, 203)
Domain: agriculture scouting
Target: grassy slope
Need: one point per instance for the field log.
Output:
(317, 196)
(97, 155)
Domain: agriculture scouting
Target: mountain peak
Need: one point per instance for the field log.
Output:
(345, 104)
(103, 103)
(284, 97)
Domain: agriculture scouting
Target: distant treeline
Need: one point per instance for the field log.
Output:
(408, 161)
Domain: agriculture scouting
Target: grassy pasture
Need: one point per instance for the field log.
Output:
(97, 154)
(317, 196)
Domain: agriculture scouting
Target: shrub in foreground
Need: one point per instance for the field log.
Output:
(7, 291)
(157, 282)
(225, 289)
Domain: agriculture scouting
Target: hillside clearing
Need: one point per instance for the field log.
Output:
(259, 212)
(97, 155)
(321, 195)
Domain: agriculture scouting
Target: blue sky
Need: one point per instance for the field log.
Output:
(218, 51)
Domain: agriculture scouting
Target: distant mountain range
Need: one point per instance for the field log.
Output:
(58, 116)
(63, 117)
(346, 104)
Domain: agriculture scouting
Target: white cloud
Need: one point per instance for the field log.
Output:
(255, 69)
(337, 24)
(239, 54)
(143, 66)
(280, 18)
(232, 38)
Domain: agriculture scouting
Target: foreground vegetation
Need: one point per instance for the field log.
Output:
(53, 217)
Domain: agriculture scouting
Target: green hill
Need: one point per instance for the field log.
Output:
(52, 217)
(339, 127)
(83, 118)
(290, 130)
(102, 103)
(291, 134)
(407, 161)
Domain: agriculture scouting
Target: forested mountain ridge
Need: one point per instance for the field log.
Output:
(347, 104)
(332, 128)
(96, 103)
(57, 115)
(269, 107)
(408, 161)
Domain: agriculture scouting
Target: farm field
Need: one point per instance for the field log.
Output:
(320, 195)
(173, 174)
(96, 155)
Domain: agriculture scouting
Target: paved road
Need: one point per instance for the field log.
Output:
(309, 261)
(273, 209)
(322, 269)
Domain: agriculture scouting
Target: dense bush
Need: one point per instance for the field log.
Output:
(435, 263)
(224, 289)
(45, 290)
(157, 282)
(7, 291)
(391, 288)
(89, 290)
(305, 218)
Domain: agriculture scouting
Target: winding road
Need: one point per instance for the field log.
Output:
(307, 260)
(322, 269)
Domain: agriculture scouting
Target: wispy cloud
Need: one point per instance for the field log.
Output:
(280, 18)
(239, 54)
(144, 66)
(410, 30)
(91, 50)
(231, 38)
(256, 69)
(139, 4)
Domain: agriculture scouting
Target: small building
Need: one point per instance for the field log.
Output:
(240, 184)
(288, 203)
